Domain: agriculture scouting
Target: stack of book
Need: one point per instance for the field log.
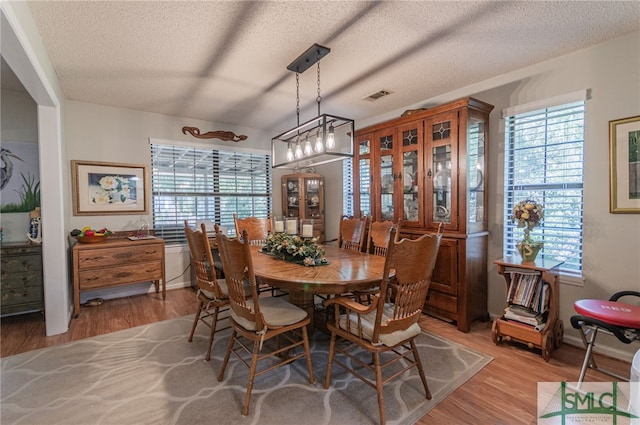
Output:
(528, 298)
(525, 315)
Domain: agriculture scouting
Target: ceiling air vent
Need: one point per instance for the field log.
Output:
(377, 95)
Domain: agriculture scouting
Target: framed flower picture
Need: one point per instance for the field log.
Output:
(105, 188)
(624, 154)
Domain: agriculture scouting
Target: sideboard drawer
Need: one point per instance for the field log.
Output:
(118, 275)
(117, 256)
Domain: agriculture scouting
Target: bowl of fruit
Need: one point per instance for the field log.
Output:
(89, 235)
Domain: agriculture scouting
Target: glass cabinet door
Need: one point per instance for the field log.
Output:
(443, 168)
(386, 177)
(363, 184)
(476, 163)
(412, 196)
(292, 197)
(312, 197)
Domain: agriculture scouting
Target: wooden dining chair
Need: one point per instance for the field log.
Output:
(255, 321)
(378, 239)
(351, 236)
(212, 293)
(379, 236)
(386, 330)
(352, 233)
(258, 228)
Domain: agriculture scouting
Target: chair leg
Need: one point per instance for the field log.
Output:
(379, 386)
(420, 369)
(195, 320)
(232, 340)
(332, 348)
(252, 375)
(588, 357)
(214, 323)
(307, 350)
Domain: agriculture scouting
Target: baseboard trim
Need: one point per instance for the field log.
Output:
(130, 290)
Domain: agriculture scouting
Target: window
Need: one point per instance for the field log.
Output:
(544, 162)
(193, 184)
(347, 187)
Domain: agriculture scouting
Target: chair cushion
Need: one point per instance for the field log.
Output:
(276, 312)
(368, 320)
(612, 312)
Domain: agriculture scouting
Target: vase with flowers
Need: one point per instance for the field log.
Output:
(528, 214)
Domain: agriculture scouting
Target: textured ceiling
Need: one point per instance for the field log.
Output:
(225, 61)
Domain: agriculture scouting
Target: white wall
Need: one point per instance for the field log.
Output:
(19, 117)
(611, 242)
(103, 133)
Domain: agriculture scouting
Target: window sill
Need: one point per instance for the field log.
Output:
(573, 280)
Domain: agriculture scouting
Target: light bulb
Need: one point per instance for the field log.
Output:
(331, 138)
(289, 153)
(319, 146)
(298, 152)
(308, 150)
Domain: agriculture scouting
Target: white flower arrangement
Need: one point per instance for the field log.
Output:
(113, 189)
(295, 248)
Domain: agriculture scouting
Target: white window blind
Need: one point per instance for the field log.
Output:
(544, 162)
(347, 187)
(196, 184)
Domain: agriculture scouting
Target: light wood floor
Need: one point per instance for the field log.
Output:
(504, 392)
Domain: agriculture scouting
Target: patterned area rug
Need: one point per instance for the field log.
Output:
(152, 375)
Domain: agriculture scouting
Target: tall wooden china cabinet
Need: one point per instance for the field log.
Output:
(427, 168)
(303, 197)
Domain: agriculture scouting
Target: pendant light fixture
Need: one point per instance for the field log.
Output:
(332, 136)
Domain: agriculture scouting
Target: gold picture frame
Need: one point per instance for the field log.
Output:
(107, 188)
(624, 167)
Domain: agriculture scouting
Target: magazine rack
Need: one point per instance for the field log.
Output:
(546, 336)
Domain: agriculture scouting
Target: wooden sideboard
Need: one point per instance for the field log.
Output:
(116, 262)
(22, 285)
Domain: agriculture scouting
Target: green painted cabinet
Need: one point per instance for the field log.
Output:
(22, 289)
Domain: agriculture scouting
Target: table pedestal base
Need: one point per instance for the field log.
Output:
(304, 300)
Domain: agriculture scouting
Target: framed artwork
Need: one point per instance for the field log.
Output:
(624, 156)
(105, 188)
(20, 182)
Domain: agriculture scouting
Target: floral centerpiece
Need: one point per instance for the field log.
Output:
(528, 214)
(295, 248)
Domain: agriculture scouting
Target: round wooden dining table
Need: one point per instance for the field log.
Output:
(346, 271)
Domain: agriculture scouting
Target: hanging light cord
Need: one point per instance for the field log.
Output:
(319, 98)
(298, 97)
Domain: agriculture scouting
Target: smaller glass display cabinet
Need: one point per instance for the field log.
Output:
(303, 197)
